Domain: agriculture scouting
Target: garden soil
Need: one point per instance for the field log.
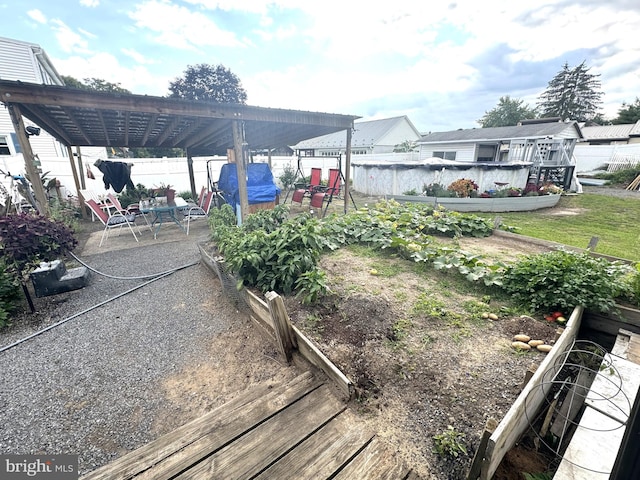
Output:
(419, 360)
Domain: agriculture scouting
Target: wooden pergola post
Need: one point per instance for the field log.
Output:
(76, 180)
(238, 141)
(347, 173)
(27, 153)
(192, 180)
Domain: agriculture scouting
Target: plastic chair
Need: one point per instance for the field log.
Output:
(117, 220)
(199, 212)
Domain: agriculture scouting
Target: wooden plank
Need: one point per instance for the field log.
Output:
(282, 325)
(614, 389)
(257, 449)
(324, 453)
(590, 456)
(226, 422)
(376, 461)
(264, 329)
(259, 308)
(515, 422)
(476, 465)
(572, 403)
(309, 351)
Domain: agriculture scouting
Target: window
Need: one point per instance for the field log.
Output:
(445, 155)
(5, 147)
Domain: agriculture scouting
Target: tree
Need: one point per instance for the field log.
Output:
(209, 82)
(628, 113)
(508, 112)
(96, 84)
(406, 146)
(573, 94)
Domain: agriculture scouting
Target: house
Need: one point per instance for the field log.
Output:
(369, 137)
(546, 143)
(537, 141)
(611, 134)
(536, 151)
(29, 63)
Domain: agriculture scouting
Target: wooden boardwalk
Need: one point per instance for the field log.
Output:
(298, 430)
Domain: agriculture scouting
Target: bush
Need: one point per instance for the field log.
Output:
(281, 259)
(562, 280)
(287, 177)
(463, 187)
(28, 239)
(9, 294)
(621, 177)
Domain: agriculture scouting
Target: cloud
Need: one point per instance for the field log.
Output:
(69, 40)
(179, 27)
(90, 3)
(137, 56)
(137, 79)
(37, 15)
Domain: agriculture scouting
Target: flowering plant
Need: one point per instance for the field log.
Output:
(463, 187)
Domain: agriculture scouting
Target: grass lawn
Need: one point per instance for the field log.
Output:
(577, 218)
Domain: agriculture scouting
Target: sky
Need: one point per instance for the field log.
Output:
(444, 64)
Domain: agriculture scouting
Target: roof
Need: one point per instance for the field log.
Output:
(535, 130)
(611, 132)
(365, 134)
(90, 118)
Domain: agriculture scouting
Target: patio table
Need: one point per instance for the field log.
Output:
(162, 213)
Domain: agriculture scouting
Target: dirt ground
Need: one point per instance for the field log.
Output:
(413, 342)
(419, 352)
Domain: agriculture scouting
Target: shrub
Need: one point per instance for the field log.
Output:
(562, 280)
(9, 294)
(277, 259)
(437, 190)
(288, 177)
(624, 176)
(463, 187)
(28, 239)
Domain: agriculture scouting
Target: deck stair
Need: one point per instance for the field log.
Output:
(296, 430)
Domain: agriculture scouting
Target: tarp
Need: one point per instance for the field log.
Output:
(261, 187)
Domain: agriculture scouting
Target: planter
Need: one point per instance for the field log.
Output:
(505, 204)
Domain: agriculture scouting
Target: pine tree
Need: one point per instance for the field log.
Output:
(628, 113)
(573, 94)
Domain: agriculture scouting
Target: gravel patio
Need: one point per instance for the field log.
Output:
(118, 376)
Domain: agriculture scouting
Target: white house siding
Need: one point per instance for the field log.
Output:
(17, 62)
(465, 152)
(397, 135)
(379, 181)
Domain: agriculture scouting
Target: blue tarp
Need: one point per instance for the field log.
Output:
(260, 185)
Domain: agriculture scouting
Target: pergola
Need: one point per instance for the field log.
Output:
(80, 118)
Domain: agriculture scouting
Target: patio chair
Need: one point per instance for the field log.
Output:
(196, 212)
(335, 182)
(91, 195)
(133, 208)
(314, 185)
(117, 220)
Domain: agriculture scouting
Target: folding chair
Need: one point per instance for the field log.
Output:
(134, 208)
(199, 212)
(335, 182)
(315, 184)
(118, 219)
